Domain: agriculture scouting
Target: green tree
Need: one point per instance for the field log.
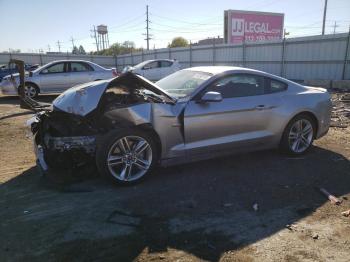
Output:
(75, 50)
(178, 42)
(82, 50)
(119, 49)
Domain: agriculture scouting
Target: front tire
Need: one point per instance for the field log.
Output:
(298, 136)
(126, 156)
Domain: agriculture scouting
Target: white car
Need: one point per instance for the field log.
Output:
(154, 70)
(56, 77)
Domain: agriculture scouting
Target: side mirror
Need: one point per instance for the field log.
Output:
(146, 68)
(45, 71)
(211, 97)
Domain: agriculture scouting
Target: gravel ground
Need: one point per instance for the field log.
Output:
(193, 212)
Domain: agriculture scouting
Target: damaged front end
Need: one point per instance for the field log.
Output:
(62, 141)
(66, 137)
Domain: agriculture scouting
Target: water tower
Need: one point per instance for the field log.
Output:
(102, 37)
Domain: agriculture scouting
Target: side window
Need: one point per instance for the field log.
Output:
(56, 68)
(79, 67)
(274, 86)
(165, 63)
(239, 85)
(151, 65)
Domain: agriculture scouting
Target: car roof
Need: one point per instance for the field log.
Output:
(216, 70)
(221, 69)
(70, 60)
(160, 59)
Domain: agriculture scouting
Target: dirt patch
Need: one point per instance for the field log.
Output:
(193, 212)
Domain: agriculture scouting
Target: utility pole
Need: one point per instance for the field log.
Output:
(59, 46)
(72, 40)
(147, 28)
(324, 16)
(335, 27)
(95, 37)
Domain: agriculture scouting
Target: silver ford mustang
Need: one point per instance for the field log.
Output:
(127, 125)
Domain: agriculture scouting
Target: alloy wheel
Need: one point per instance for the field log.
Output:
(300, 136)
(30, 91)
(129, 158)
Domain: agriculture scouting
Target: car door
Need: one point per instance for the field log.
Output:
(165, 68)
(241, 119)
(80, 73)
(151, 71)
(54, 78)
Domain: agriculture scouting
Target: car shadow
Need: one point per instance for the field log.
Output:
(203, 209)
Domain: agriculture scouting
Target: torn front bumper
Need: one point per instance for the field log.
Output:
(40, 160)
(57, 152)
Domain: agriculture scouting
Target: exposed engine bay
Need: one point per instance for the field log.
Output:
(67, 138)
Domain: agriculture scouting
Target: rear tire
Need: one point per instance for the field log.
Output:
(126, 156)
(30, 90)
(298, 136)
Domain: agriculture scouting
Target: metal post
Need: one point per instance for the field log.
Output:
(324, 17)
(283, 56)
(244, 53)
(191, 53)
(142, 55)
(155, 53)
(214, 53)
(132, 58)
(147, 28)
(346, 56)
(169, 49)
(41, 59)
(116, 62)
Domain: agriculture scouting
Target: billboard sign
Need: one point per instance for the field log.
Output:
(248, 26)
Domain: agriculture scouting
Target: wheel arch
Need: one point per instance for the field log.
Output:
(34, 84)
(149, 129)
(309, 114)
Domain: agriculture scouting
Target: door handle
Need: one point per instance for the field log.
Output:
(260, 107)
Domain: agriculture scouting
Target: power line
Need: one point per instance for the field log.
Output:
(182, 27)
(59, 46)
(182, 21)
(129, 21)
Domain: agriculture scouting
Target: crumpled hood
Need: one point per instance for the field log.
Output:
(82, 99)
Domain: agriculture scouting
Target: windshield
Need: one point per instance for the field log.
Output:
(183, 83)
(142, 64)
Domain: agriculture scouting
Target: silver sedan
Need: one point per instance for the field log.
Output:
(56, 77)
(129, 124)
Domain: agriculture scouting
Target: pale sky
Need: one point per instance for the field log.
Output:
(30, 25)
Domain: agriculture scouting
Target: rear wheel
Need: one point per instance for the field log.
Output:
(126, 156)
(31, 90)
(298, 135)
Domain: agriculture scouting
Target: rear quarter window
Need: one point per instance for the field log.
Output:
(275, 86)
